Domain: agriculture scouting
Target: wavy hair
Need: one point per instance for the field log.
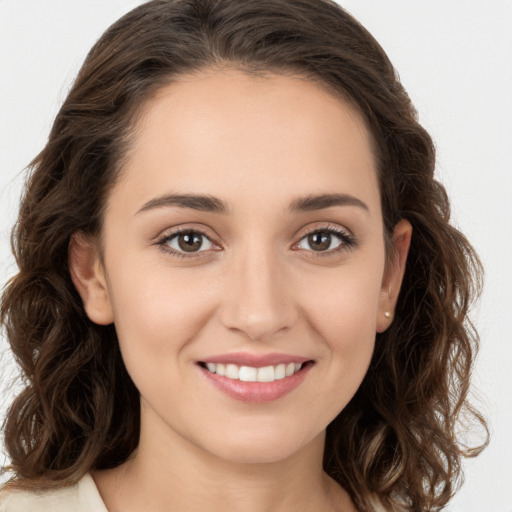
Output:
(79, 410)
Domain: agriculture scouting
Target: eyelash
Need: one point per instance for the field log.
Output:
(347, 241)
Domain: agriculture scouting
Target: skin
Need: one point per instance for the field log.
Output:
(257, 144)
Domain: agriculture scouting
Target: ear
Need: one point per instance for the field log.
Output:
(88, 276)
(393, 274)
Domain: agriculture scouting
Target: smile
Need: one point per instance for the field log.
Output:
(251, 374)
(255, 379)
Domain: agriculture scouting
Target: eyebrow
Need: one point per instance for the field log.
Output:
(207, 203)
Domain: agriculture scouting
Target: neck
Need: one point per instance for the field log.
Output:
(179, 475)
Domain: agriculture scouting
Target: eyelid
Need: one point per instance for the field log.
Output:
(163, 239)
(347, 240)
(335, 228)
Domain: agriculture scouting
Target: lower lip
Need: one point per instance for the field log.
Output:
(257, 392)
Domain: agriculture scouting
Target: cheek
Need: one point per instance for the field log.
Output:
(343, 310)
(158, 311)
(344, 304)
(158, 315)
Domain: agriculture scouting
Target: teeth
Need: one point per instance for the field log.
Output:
(250, 374)
(280, 371)
(232, 371)
(266, 374)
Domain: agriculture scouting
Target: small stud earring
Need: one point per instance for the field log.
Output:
(387, 314)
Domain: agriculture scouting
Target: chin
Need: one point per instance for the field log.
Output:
(264, 446)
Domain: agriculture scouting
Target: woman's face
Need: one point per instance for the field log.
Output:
(244, 236)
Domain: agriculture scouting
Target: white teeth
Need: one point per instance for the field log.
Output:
(232, 371)
(250, 374)
(280, 371)
(266, 374)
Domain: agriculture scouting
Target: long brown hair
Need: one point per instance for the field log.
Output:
(79, 409)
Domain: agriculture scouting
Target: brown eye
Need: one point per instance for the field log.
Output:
(326, 240)
(320, 241)
(189, 241)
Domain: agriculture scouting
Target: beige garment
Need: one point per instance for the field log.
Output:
(82, 497)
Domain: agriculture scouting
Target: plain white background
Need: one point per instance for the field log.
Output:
(455, 59)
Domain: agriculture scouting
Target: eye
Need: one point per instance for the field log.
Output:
(326, 240)
(186, 242)
(323, 241)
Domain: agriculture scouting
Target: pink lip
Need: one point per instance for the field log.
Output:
(256, 392)
(255, 360)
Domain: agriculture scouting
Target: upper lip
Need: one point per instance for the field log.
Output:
(254, 360)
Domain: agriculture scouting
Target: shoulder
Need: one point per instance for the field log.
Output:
(81, 497)
(56, 500)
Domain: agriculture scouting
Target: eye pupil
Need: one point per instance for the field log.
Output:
(319, 241)
(190, 242)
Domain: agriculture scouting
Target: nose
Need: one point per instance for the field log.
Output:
(258, 300)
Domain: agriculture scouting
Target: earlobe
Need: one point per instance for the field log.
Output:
(394, 273)
(88, 276)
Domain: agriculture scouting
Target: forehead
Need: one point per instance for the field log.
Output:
(226, 132)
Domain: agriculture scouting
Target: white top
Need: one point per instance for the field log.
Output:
(81, 497)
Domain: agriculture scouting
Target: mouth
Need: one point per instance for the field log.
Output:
(244, 373)
(256, 384)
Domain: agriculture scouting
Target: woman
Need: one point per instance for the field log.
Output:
(239, 287)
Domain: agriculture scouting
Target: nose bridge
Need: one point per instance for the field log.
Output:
(257, 299)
